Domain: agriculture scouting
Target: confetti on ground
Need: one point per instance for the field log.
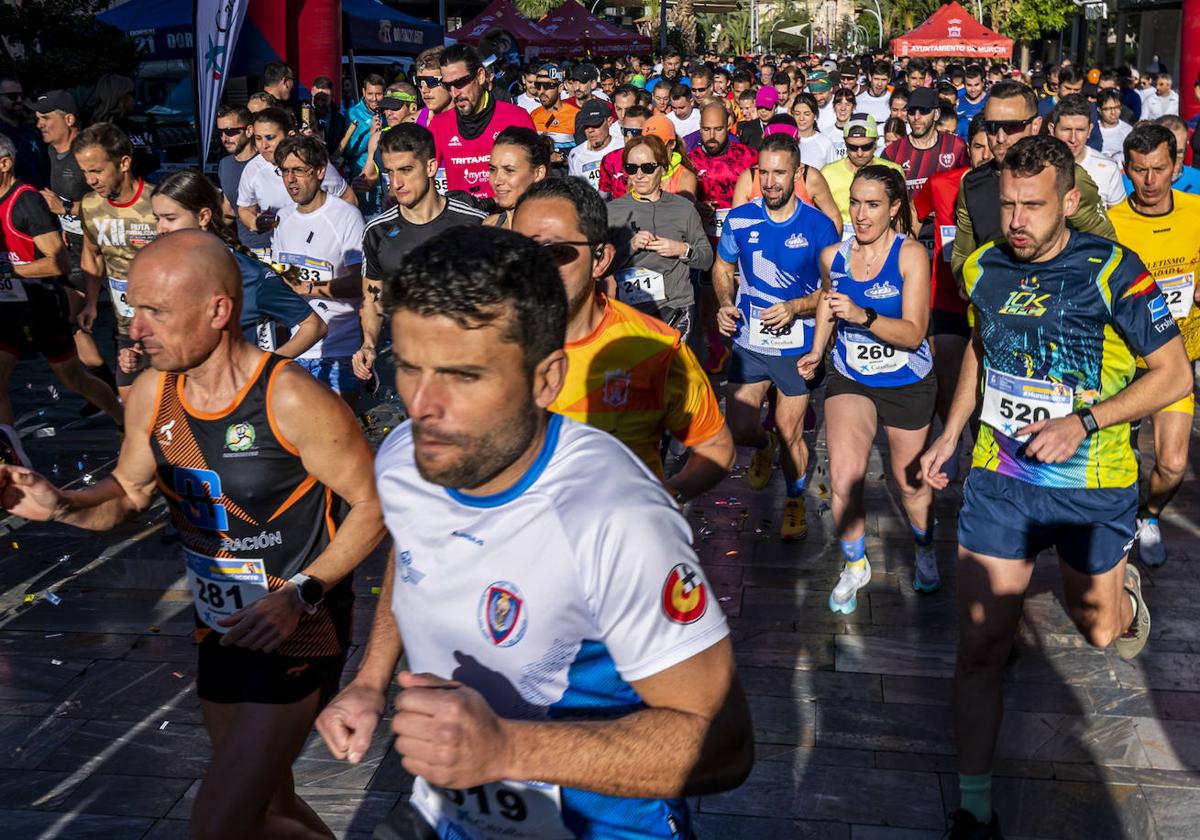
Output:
(724, 598)
(15, 545)
(52, 635)
(47, 432)
(29, 599)
(153, 628)
(375, 590)
(731, 553)
(53, 599)
(56, 662)
(164, 725)
(64, 558)
(177, 675)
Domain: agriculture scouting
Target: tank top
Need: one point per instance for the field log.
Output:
(16, 246)
(801, 187)
(857, 354)
(249, 514)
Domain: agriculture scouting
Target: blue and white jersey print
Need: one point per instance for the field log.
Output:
(550, 599)
(780, 261)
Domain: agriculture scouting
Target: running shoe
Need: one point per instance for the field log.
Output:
(1130, 643)
(718, 353)
(926, 578)
(1151, 550)
(964, 826)
(762, 465)
(11, 451)
(795, 519)
(844, 597)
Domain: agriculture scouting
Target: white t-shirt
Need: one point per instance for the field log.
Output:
(1155, 106)
(260, 186)
(528, 102)
(826, 116)
(817, 150)
(878, 107)
(550, 599)
(837, 138)
(687, 126)
(1107, 175)
(585, 163)
(323, 244)
(1114, 140)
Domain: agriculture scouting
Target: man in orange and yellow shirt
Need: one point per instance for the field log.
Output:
(555, 117)
(627, 372)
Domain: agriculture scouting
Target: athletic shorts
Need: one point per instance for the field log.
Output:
(337, 373)
(41, 324)
(907, 407)
(1092, 529)
(747, 368)
(124, 380)
(238, 675)
(942, 322)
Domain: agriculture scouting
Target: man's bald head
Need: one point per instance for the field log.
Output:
(186, 292)
(714, 113)
(714, 129)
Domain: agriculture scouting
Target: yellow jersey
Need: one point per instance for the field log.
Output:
(635, 378)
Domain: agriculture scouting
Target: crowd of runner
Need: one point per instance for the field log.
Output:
(563, 259)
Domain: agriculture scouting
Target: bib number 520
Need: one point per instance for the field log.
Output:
(1022, 412)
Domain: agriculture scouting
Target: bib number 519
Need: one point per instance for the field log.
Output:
(508, 803)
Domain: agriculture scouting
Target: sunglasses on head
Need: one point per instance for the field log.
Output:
(994, 127)
(234, 131)
(644, 168)
(457, 84)
(428, 81)
(545, 85)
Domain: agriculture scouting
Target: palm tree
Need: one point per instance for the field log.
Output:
(683, 17)
(536, 9)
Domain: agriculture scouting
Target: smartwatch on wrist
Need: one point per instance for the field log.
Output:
(871, 316)
(1090, 426)
(687, 254)
(309, 590)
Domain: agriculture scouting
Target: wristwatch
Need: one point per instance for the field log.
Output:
(871, 316)
(1090, 426)
(309, 590)
(687, 255)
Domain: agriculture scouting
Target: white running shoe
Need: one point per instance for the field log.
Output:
(844, 597)
(1151, 551)
(926, 577)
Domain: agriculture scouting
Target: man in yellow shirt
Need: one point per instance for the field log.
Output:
(627, 372)
(862, 141)
(1163, 226)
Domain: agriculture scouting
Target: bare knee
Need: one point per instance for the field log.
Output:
(1172, 463)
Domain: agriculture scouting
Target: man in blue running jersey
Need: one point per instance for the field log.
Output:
(1059, 318)
(778, 241)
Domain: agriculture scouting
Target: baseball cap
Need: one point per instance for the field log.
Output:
(56, 100)
(585, 72)
(551, 71)
(660, 127)
(397, 99)
(767, 97)
(593, 113)
(923, 97)
(819, 82)
(781, 124)
(638, 80)
(861, 125)
(829, 65)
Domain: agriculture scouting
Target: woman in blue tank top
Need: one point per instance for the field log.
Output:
(876, 307)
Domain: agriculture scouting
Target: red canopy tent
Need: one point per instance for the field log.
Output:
(950, 31)
(591, 34)
(531, 39)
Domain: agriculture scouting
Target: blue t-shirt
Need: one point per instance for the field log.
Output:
(1187, 182)
(857, 353)
(780, 261)
(266, 301)
(229, 173)
(966, 112)
(356, 148)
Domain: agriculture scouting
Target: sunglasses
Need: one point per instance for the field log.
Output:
(644, 168)
(860, 147)
(564, 253)
(545, 85)
(428, 81)
(234, 131)
(457, 84)
(919, 110)
(631, 132)
(994, 127)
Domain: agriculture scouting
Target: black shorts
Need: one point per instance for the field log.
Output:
(40, 324)
(124, 380)
(237, 675)
(942, 322)
(903, 407)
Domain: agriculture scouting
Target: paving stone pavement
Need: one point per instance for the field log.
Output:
(100, 732)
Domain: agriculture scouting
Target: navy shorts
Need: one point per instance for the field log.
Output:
(1092, 529)
(748, 367)
(337, 373)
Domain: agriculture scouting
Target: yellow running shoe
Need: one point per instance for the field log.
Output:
(763, 463)
(795, 519)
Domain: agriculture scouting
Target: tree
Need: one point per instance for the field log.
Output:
(535, 9)
(49, 44)
(1026, 20)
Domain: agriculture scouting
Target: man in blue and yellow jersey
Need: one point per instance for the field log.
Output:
(1059, 318)
(627, 372)
(1163, 225)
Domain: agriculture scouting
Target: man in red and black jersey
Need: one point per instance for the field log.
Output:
(35, 312)
(719, 160)
(925, 150)
(269, 481)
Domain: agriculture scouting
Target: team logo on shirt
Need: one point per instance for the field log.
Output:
(796, 240)
(946, 160)
(879, 291)
(239, 437)
(502, 614)
(454, 141)
(616, 388)
(684, 595)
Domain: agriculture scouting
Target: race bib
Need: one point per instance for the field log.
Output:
(717, 225)
(1010, 402)
(640, 286)
(118, 290)
(309, 270)
(1179, 292)
(12, 290)
(222, 586)
(499, 810)
(439, 181)
(869, 357)
(591, 171)
(948, 233)
(767, 337)
(70, 223)
(262, 254)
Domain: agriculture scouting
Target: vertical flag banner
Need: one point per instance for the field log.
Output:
(218, 23)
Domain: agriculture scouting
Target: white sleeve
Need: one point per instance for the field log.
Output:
(1113, 191)
(352, 239)
(651, 601)
(333, 183)
(573, 166)
(247, 195)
